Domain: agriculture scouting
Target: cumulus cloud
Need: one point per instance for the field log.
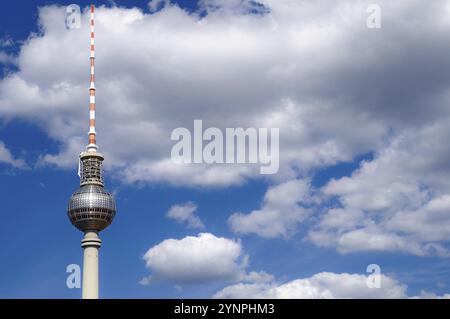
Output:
(185, 214)
(302, 67)
(7, 158)
(429, 295)
(233, 6)
(324, 285)
(280, 214)
(155, 5)
(195, 259)
(335, 88)
(6, 58)
(206, 258)
(399, 201)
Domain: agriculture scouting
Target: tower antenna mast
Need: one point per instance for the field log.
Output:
(92, 146)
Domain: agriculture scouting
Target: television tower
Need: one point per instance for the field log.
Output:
(91, 209)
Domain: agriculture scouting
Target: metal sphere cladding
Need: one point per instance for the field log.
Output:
(91, 208)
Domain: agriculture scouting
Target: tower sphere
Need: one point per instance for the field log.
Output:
(91, 208)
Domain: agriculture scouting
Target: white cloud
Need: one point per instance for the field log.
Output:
(185, 214)
(6, 42)
(334, 88)
(399, 201)
(232, 6)
(206, 258)
(199, 259)
(6, 58)
(7, 158)
(302, 68)
(145, 281)
(280, 214)
(430, 295)
(321, 285)
(155, 5)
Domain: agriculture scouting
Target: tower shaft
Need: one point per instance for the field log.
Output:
(91, 244)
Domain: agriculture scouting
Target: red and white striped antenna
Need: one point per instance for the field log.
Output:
(92, 146)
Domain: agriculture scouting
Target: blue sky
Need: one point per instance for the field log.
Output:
(361, 144)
